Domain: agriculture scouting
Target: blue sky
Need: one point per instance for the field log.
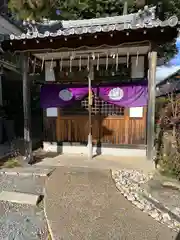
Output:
(173, 66)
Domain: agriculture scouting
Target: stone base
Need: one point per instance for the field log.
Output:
(80, 149)
(21, 198)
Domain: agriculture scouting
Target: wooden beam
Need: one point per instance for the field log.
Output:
(151, 104)
(27, 110)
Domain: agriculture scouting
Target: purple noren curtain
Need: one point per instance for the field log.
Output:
(53, 95)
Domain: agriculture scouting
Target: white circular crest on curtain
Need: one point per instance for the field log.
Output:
(65, 95)
(116, 94)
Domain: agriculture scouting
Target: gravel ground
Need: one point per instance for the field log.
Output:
(22, 222)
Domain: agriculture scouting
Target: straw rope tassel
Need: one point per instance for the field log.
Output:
(97, 67)
(51, 66)
(42, 65)
(29, 60)
(137, 58)
(70, 63)
(61, 64)
(107, 60)
(80, 63)
(127, 59)
(117, 60)
(34, 67)
(88, 63)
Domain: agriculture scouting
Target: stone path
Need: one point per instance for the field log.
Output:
(98, 162)
(83, 203)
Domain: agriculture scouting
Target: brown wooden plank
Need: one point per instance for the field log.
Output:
(49, 128)
(112, 130)
(137, 130)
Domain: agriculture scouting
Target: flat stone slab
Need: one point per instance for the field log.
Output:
(171, 185)
(21, 198)
(28, 171)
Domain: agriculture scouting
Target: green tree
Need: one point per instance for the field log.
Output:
(32, 9)
(69, 9)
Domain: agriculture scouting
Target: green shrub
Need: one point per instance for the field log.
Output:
(11, 163)
(170, 165)
(168, 137)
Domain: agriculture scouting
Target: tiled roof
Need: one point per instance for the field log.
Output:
(168, 87)
(169, 82)
(165, 72)
(145, 19)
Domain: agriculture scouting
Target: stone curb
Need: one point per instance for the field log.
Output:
(171, 185)
(161, 206)
(45, 214)
(132, 191)
(26, 174)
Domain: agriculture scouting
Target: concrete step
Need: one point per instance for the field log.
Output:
(21, 198)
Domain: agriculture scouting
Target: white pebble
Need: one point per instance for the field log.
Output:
(130, 198)
(154, 214)
(166, 217)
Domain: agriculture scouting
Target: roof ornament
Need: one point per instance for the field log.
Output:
(31, 26)
(147, 13)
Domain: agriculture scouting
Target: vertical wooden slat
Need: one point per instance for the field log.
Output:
(50, 128)
(58, 126)
(113, 130)
(126, 121)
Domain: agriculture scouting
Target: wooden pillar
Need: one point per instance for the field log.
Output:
(1, 94)
(1, 104)
(151, 104)
(90, 78)
(27, 110)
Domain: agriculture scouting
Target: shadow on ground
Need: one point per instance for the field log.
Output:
(178, 236)
(39, 155)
